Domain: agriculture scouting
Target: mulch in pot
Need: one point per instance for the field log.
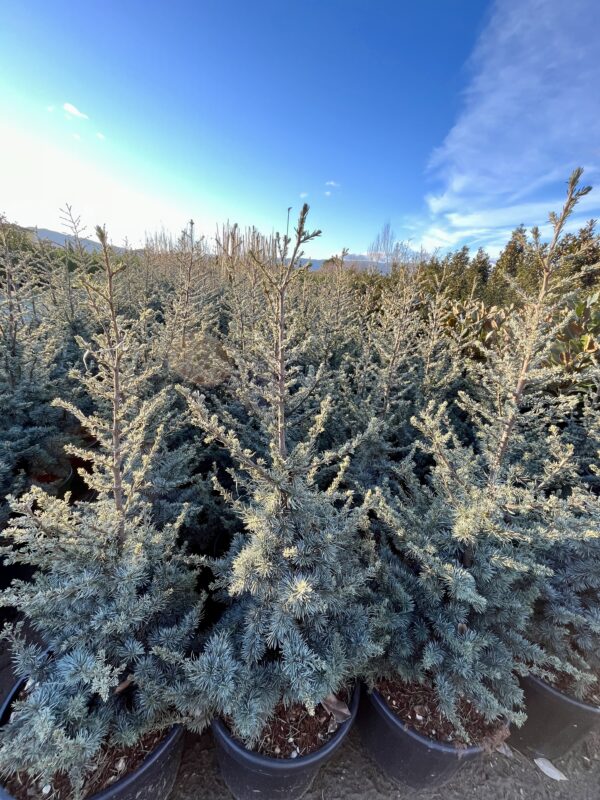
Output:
(417, 706)
(292, 731)
(113, 763)
(563, 683)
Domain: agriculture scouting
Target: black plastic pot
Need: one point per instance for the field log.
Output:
(403, 754)
(249, 775)
(152, 780)
(59, 486)
(555, 721)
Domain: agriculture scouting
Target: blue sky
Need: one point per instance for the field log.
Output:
(455, 120)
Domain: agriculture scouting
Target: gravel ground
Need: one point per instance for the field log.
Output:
(351, 775)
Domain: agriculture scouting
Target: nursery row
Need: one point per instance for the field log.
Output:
(244, 493)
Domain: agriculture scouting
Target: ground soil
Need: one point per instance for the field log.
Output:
(416, 705)
(351, 775)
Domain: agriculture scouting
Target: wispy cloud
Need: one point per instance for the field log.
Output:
(531, 113)
(334, 184)
(303, 195)
(73, 111)
(327, 193)
(50, 108)
(100, 136)
(76, 136)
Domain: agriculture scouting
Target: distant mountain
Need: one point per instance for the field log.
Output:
(357, 260)
(61, 239)
(363, 261)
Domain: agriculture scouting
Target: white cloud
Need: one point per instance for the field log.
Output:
(327, 194)
(513, 214)
(50, 108)
(335, 184)
(303, 195)
(74, 111)
(531, 113)
(100, 136)
(76, 136)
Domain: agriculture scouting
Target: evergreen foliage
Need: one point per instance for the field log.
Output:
(114, 599)
(391, 472)
(300, 624)
(510, 263)
(31, 438)
(479, 272)
(489, 539)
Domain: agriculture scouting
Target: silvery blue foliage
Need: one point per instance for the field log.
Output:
(491, 564)
(31, 437)
(113, 601)
(301, 622)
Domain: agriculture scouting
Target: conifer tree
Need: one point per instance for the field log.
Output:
(31, 436)
(114, 599)
(299, 624)
(579, 251)
(473, 549)
(507, 267)
(379, 379)
(478, 273)
(191, 314)
(413, 353)
(60, 303)
(457, 273)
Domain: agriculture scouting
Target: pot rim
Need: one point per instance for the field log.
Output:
(376, 698)
(60, 482)
(222, 733)
(123, 783)
(566, 698)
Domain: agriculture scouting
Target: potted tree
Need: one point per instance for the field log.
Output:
(465, 552)
(300, 625)
(460, 585)
(113, 603)
(563, 706)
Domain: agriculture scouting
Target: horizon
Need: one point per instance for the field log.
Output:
(454, 127)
